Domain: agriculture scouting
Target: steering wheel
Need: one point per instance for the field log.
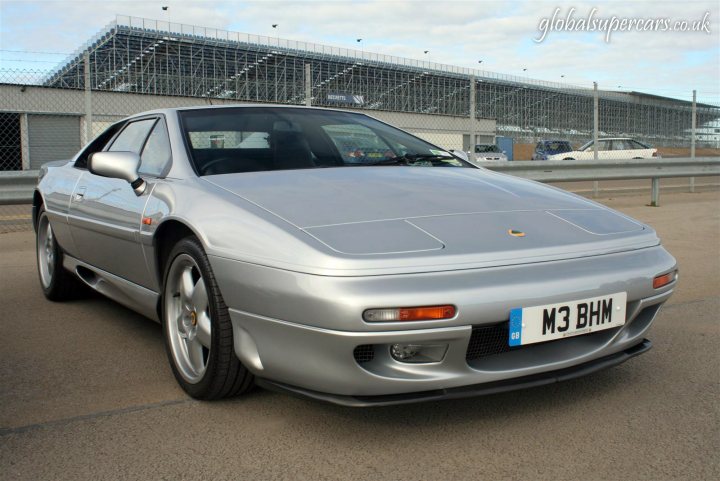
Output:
(206, 167)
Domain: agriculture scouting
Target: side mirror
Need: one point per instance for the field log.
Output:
(118, 165)
(461, 154)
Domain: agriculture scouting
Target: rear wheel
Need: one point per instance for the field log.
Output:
(57, 283)
(198, 331)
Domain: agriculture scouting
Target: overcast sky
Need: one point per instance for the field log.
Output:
(502, 35)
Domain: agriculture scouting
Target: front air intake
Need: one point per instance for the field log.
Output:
(488, 341)
(364, 353)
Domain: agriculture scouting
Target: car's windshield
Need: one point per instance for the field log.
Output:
(252, 139)
(481, 149)
(586, 146)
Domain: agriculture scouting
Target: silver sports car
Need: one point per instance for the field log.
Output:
(328, 254)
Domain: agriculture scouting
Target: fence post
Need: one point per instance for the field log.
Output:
(596, 121)
(24, 142)
(88, 101)
(472, 115)
(655, 192)
(308, 85)
(692, 133)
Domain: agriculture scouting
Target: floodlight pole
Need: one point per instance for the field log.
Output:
(693, 135)
(308, 85)
(472, 114)
(596, 108)
(88, 99)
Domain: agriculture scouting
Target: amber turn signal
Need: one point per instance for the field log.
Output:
(664, 280)
(426, 313)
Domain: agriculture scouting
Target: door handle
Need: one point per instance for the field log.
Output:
(79, 194)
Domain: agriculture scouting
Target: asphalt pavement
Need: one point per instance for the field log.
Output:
(86, 392)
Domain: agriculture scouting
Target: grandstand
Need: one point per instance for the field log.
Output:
(159, 58)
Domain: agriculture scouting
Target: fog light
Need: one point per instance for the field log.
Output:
(418, 353)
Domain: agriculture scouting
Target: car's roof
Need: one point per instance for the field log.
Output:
(234, 106)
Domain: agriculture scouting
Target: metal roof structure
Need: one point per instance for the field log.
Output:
(160, 58)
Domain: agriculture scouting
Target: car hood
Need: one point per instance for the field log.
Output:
(436, 216)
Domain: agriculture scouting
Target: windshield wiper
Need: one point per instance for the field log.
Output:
(409, 159)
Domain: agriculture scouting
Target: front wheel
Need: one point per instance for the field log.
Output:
(198, 331)
(57, 283)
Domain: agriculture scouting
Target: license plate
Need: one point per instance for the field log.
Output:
(529, 325)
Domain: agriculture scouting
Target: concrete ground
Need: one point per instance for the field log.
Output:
(86, 393)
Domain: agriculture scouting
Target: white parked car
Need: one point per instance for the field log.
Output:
(610, 148)
(489, 152)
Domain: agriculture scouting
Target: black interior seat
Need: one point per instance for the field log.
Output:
(290, 147)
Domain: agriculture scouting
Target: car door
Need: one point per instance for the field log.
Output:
(640, 151)
(620, 150)
(604, 150)
(106, 214)
(587, 153)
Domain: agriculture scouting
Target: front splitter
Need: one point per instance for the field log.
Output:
(484, 389)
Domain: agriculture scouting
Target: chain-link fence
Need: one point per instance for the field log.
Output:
(15, 218)
(134, 65)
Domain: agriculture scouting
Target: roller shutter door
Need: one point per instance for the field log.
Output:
(52, 137)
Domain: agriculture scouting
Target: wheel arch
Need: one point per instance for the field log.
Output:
(37, 202)
(168, 233)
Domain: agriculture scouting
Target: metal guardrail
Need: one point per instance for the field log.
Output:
(16, 187)
(575, 171)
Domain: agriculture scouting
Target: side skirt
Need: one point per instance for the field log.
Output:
(129, 294)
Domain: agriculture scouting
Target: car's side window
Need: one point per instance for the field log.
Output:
(603, 145)
(155, 156)
(133, 136)
(619, 145)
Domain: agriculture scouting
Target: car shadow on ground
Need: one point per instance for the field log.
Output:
(529, 403)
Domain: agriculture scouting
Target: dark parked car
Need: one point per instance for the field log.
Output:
(544, 148)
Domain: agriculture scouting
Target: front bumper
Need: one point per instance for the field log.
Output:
(495, 387)
(316, 360)
(302, 330)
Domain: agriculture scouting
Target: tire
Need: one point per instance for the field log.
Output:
(57, 283)
(197, 328)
